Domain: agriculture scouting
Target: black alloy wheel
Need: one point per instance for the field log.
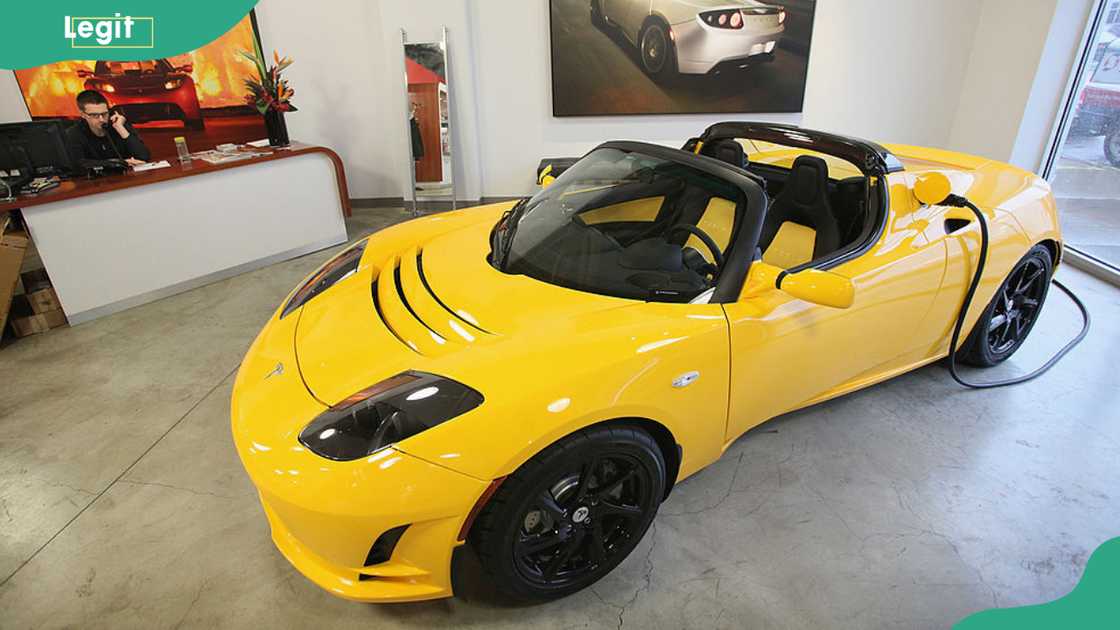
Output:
(1112, 144)
(1013, 311)
(657, 51)
(572, 513)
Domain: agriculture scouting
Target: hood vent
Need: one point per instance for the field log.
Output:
(414, 314)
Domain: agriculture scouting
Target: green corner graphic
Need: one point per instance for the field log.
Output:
(1093, 603)
(64, 30)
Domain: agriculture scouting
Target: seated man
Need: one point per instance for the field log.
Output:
(104, 135)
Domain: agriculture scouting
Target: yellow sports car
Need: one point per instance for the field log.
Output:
(532, 378)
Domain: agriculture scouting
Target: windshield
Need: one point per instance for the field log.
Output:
(624, 224)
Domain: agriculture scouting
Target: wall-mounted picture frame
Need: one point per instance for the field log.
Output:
(626, 57)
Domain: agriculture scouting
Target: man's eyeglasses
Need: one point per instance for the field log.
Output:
(104, 115)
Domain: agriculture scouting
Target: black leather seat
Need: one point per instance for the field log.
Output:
(804, 200)
(727, 150)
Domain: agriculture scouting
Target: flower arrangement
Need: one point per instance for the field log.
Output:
(268, 91)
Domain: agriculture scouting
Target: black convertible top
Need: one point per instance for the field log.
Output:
(873, 159)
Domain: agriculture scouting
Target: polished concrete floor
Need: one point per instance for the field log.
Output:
(909, 505)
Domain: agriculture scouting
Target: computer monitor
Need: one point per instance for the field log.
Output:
(39, 146)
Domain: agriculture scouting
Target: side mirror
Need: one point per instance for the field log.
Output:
(819, 287)
(83, 73)
(933, 188)
(187, 68)
(812, 285)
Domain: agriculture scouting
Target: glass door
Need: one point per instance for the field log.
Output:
(1084, 164)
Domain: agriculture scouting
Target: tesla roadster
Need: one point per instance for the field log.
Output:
(693, 36)
(532, 378)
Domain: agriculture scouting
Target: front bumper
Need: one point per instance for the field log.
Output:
(700, 48)
(328, 540)
(326, 515)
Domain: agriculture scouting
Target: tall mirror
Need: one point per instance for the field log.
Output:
(429, 121)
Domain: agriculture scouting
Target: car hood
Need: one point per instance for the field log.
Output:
(434, 303)
(545, 358)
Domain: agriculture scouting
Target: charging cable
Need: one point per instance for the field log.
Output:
(961, 202)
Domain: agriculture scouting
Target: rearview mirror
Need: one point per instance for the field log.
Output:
(812, 285)
(931, 189)
(819, 287)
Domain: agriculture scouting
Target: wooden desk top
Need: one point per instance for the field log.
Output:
(80, 187)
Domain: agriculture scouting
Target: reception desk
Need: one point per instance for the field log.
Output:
(116, 242)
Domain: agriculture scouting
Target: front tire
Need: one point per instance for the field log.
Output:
(570, 514)
(659, 58)
(1112, 144)
(1012, 313)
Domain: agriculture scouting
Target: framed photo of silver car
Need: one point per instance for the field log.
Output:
(618, 57)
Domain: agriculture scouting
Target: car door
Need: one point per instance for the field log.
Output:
(786, 352)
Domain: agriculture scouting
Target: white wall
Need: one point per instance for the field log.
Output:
(1063, 45)
(517, 127)
(12, 108)
(885, 70)
(959, 74)
(1005, 53)
(889, 70)
(338, 78)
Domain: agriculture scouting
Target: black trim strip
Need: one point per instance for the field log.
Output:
(385, 322)
(404, 300)
(781, 276)
(424, 281)
(869, 157)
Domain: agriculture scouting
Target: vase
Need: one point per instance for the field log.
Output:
(277, 128)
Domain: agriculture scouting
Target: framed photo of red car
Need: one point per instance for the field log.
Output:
(198, 94)
(624, 57)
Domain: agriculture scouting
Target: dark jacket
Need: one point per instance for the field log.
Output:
(86, 146)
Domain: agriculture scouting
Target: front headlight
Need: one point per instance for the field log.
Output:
(171, 84)
(387, 412)
(335, 270)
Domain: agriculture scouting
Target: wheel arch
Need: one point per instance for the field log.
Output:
(656, 17)
(1055, 249)
(671, 450)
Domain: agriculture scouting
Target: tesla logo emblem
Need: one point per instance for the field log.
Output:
(686, 379)
(580, 514)
(276, 371)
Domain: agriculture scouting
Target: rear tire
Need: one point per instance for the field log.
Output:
(1012, 313)
(570, 514)
(1112, 144)
(658, 53)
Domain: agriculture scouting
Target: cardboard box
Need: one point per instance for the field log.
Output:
(38, 323)
(35, 280)
(44, 300)
(12, 247)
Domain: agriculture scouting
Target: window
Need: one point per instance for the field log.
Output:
(624, 224)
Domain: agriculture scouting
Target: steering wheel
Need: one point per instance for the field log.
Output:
(708, 241)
